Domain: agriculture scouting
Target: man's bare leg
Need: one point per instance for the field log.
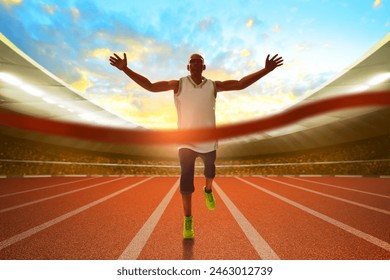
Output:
(187, 205)
(209, 183)
(188, 230)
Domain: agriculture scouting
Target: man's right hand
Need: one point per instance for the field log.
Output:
(118, 62)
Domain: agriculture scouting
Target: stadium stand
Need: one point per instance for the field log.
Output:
(21, 157)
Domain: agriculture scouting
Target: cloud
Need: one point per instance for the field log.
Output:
(74, 40)
(83, 83)
(247, 106)
(377, 3)
(245, 52)
(276, 28)
(75, 13)
(139, 49)
(50, 9)
(10, 2)
(301, 47)
(205, 24)
(219, 74)
(250, 23)
(157, 110)
(154, 110)
(100, 53)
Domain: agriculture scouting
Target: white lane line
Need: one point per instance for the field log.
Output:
(136, 245)
(373, 240)
(332, 197)
(18, 237)
(43, 188)
(340, 187)
(259, 244)
(55, 196)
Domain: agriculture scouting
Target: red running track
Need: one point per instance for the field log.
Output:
(256, 217)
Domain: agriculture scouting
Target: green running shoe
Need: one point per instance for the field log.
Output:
(210, 201)
(188, 230)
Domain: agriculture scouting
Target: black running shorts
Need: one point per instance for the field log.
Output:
(187, 159)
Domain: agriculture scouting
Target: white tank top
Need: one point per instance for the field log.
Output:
(195, 106)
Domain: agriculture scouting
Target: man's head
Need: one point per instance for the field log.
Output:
(196, 63)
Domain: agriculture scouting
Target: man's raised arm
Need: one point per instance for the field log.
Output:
(270, 65)
(121, 64)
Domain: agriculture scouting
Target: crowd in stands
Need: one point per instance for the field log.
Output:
(25, 157)
(19, 157)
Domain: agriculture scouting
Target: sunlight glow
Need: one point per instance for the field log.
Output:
(74, 39)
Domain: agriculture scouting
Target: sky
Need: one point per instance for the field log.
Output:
(318, 39)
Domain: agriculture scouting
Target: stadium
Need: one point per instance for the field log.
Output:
(342, 142)
(327, 175)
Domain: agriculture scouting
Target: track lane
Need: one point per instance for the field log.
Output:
(368, 221)
(99, 232)
(136, 245)
(22, 219)
(104, 230)
(379, 204)
(258, 242)
(25, 198)
(337, 187)
(293, 233)
(12, 185)
(217, 234)
(34, 189)
(377, 185)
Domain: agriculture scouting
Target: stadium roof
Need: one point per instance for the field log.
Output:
(369, 74)
(26, 87)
